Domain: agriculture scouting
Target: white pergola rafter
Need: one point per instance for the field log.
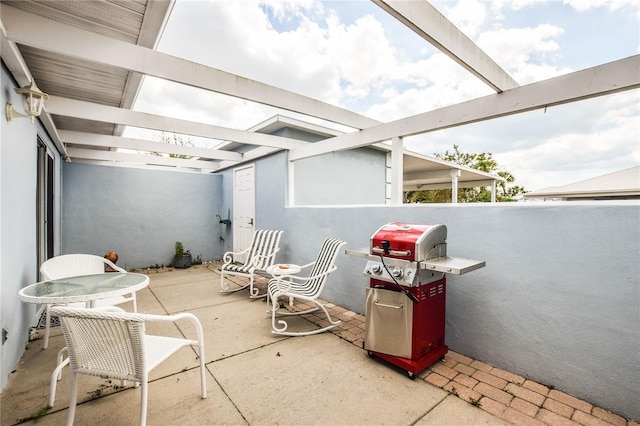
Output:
(428, 23)
(90, 111)
(601, 80)
(80, 154)
(35, 31)
(107, 141)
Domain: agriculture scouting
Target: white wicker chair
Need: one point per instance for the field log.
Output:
(259, 256)
(73, 265)
(305, 288)
(115, 345)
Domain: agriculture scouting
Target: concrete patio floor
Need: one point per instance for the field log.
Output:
(255, 377)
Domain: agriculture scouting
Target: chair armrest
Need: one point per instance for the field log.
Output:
(303, 267)
(178, 317)
(228, 256)
(114, 266)
(327, 272)
(286, 281)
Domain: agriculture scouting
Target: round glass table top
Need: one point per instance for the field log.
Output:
(83, 288)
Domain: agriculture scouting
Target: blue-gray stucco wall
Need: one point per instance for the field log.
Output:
(558, 301)
(18, 222)
(341, 178)
(140, 214)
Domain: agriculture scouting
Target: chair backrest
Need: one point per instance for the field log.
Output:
(323, 264)
(71, 265)
(104, 343)
(264, 246)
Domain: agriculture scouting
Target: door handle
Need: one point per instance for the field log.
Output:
(251, 221)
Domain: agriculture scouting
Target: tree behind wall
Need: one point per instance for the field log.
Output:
(484, 162)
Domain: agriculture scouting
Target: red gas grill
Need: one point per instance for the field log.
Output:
(406, 298)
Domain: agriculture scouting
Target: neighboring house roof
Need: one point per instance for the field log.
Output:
(623, 184)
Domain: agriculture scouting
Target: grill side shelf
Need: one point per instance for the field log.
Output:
(452, 265)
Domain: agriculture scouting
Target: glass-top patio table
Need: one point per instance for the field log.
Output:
(85, 288)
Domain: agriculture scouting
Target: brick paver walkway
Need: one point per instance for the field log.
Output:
(518, 400)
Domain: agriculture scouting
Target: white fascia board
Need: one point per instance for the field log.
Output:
(613, 77)
(252, 155)
(103, 113)
(427, 176)
(425, 186)
(107, 141)
(92, 154)
(428, 23)
(42, 33)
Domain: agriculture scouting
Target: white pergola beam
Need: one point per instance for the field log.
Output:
(36, 31)
(600, 80)
(428, 23)
(122, 157)
(251, 155)
(90, 111)
(107, 141)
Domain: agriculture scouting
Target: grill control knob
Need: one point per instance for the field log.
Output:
(376, 269)
(397, 272)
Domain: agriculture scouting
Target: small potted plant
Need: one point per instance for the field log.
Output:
(182, 258)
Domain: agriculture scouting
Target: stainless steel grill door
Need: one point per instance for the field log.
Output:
(389, 319)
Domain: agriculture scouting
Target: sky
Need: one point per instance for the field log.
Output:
(354, 55)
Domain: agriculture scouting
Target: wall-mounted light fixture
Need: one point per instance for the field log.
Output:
(32, 101)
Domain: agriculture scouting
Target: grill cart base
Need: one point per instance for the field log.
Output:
(406, 334)
(412, 366)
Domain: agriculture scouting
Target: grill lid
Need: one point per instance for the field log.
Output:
(407, 241)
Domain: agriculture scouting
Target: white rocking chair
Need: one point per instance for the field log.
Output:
(259, 256)
(305, 288)
(115, 345)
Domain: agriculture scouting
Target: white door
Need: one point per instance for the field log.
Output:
(244, 208)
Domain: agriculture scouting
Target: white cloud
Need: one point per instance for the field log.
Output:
(517, 48)
(583, 5)
(468, 16)
(361, 53)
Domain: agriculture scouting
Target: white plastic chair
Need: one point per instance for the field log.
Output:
(259, 256)
(305, 288)
(73, 265)
(115, 345)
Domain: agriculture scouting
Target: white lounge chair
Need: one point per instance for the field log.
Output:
(115, 345)
(259, 256)
(305, 288)
(73, 265)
